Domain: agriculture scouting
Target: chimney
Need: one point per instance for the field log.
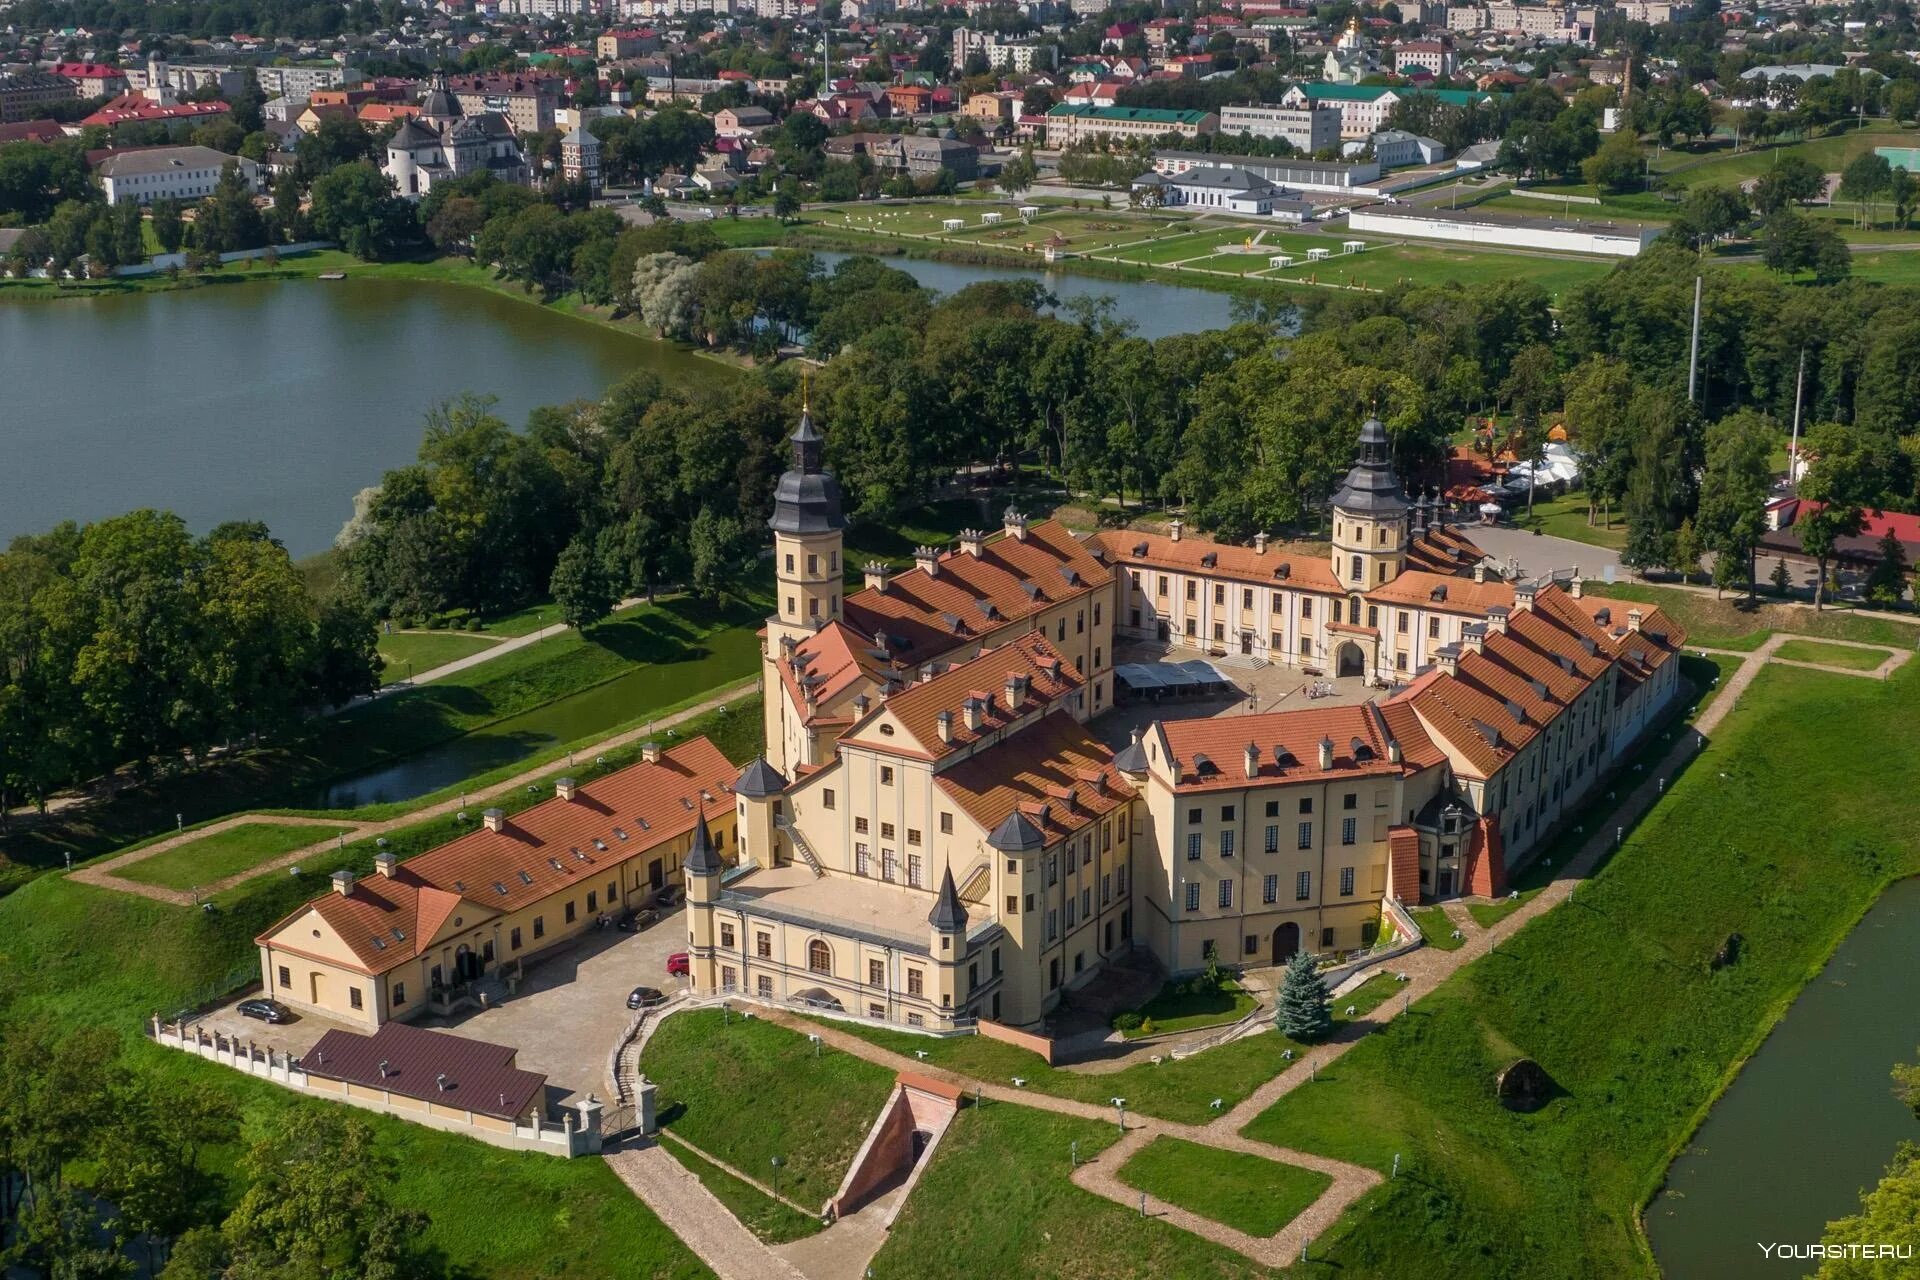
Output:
(1480, 572)
(1252, 760)
(1577, 587)
(860, 704)
(876, 573)
(1633, 619)
(1497, 620)
(650, 752)
(946, 726)
(387, 864)
(1472, 636)
(974, 712)
(1523, 593)
(972, 542)
(1015, 524)
(565, 788)
(927, 560)
(494, 819)
(1447, 658)
(343, 882)
(1016, 692)
(1174, 527)
(1393, 750)
(1326, 753)
(1259, 544)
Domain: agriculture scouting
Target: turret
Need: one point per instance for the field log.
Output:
(701, 870)
(758, 792)
(1370, 516)
(949, 944)
(808, 525)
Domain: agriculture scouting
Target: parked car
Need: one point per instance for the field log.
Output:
(667, 896)
(644, 997)
(265, 1010)
(678, 966)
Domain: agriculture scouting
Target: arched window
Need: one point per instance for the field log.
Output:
(1358, 572)
(819, 957)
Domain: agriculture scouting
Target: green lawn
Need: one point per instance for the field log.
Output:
(1732, 623)
(406, 654)
(1436, 928)
(1614, 996)
(522, 621)
(996, 1200)
(1632, 206)
(1181, 1090)
(1488, 914)
(744, 1090)
(224, 853)
(1832, 655)
(1177, 1009)
(1831, 154)
(1246, 1192)
(758, 1212)
(1368, 996)
(1566, 517)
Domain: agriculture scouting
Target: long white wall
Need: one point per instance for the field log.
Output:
(1503, 235)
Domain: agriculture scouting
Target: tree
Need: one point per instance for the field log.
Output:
(227, 220)
(355, 205)
(1733, 493)
(1710, 212)
(1301, 1011)
(1782, 577)
(1017, 174)
(1886, 1221)
(581, 585)
(168, 228)
(786, 205)
(1886, 584)
(1686, 550)
(1791, 180)
(1843, 478)
(1617, 165)
(1866, 178)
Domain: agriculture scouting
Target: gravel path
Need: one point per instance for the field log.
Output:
(696, 1216)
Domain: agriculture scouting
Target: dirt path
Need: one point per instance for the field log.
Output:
(102, 873)
(695, 1215)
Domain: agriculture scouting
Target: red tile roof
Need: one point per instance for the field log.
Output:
(450, 1071)
(1211, 753)
(829, 662)
(1055, 772)
(1048, 678)
(1306, 567)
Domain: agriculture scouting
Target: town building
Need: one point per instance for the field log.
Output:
(1364, 108)
(1309, 129)
(1393, 148)
(418, 931)
(1567, 235)
(169, 173)
(1003, 54)
(94, 79)
(444, 142)
(1298, 175)
(625, 42)
(580, 157)
(25, 95)
(1224, 190)
(527, 101)
(1068, 124)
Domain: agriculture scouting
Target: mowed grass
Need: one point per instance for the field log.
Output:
(1734, 623)
(744, 1091)
(406, 654)
(224, 853)
(997, 1200)
(1565, 516)
(757, 1211)
(1832, 154)
(1614, 996)
(1831, 655)
(1246, 1192)
(1436, 927)
(1175, 1008)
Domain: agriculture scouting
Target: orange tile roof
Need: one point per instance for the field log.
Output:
(1055, 765)
(1292, 736)
(1639, 654)
(1455, 710)
(1421, 589)
(925, 615)
(501, 871)
(1049, 678)
(1307, 567)
(1444, 550)
(828, 663)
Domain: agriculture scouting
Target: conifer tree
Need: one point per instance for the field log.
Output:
(1301, 1012)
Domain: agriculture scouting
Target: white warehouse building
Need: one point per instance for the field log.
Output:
(169, 173)
(1613, 239)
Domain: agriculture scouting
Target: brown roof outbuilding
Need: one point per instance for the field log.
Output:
(449, 1071)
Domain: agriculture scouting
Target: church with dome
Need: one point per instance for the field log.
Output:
(950, 824)
(443, 143)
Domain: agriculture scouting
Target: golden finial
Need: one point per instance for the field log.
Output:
(804, 408)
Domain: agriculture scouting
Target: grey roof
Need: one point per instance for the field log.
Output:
(162, 159)
(701, 859)
(1132, 757)
(949, 916)
(412, 133)
(440, 100)
(1371, 487)
(759, 780)
(1017, 835)
(807, 499)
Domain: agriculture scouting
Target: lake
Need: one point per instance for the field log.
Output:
(270, 400)
(1810, 1121)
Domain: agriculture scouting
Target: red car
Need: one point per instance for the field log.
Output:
(677, 965)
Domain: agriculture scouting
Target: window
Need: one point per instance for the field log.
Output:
(913, 870)
(1029, 902)
(1303, 886)
(886, 775)
(763, 944)
(1306, 835)
(1072, 913)
(876, 973)
(1163, 584)
(1193, 847)
(1356, 571)
(1306, 608)
(1347, 833)
(1080, 622)
(1053, 924)
(763, 986)
(1270, 889)
(1226, 813)
(886, 831)
(1226, 894)
(1086, 902)
(569, 913)
(286, 978)
(1400, 661)
(593, 899)
(1306, 804)
(826, 798)
(1433, 628)
(813, 565)
(1013, 905)
(726, 935)
(1193, 627)
(354, 997)
(1306, 646)
(1326, 937)
(860, 826)
(1226, 844)
(1346, 882)
(889, 865)
(1246, 598)
(729, 977)
(1273, 837)
(1350, 801)
(513, 940)
(1193, 897)
(916, 1020)
(789, 562)
(399, 994)
(913, 835)
(820, 955)
(862, 860)
(1191, 590)
(1219, 594)
(539, 926)
(1373, 612)
(946, 824)
(916, 982)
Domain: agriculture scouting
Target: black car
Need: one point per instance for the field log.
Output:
(265, 1010)
(644, 998)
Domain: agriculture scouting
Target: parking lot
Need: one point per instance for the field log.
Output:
(570, 1009)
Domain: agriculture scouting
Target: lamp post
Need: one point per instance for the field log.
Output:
(777, 1162)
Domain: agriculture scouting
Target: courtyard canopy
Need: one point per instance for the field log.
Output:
(1172, 679)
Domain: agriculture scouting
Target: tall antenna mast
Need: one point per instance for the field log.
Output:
(1693, 360)
(1793, 449)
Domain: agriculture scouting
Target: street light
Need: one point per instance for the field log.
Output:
(777, 1162)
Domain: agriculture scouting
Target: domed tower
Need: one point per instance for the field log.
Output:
(808, 525)
(1370, 517)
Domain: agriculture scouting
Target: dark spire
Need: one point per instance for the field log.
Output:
(701, 859)
(1371, 488)
(759, 780)
(1132, 757)
(949, 916)
(1017, 835)
(807, 499)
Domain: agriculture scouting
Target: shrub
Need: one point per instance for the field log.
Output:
(1128, 1021)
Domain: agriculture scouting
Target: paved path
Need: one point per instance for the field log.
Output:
(102, 873)
(695, 1215)
(492, 651)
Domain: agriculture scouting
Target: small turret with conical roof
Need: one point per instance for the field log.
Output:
(702, 859)
(949, 922)
(701, 870)
(1370, 516)
(949, 915)
(808, 522)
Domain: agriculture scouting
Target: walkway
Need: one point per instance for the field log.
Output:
(102, 873)
(488, 654)
(695, 1215)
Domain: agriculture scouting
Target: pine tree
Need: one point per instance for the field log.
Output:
(1887, 581)
(1782, 578)
(1301, 1012)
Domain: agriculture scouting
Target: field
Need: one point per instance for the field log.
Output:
(1734, 624)
(712, 1067)
(1631, 206)
(1174, 1009)
(406, 654)
(1566, 517)
(1246, 1192)
(1558, 1192)
(1831, 655)
(224, 853)
(769, 1219)
(996, 1200)
(1831, 154)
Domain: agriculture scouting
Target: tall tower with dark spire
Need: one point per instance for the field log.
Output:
(1370, 516)
(808, 525)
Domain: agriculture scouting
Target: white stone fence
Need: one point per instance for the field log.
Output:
(1554, 196)
(577, 1134)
